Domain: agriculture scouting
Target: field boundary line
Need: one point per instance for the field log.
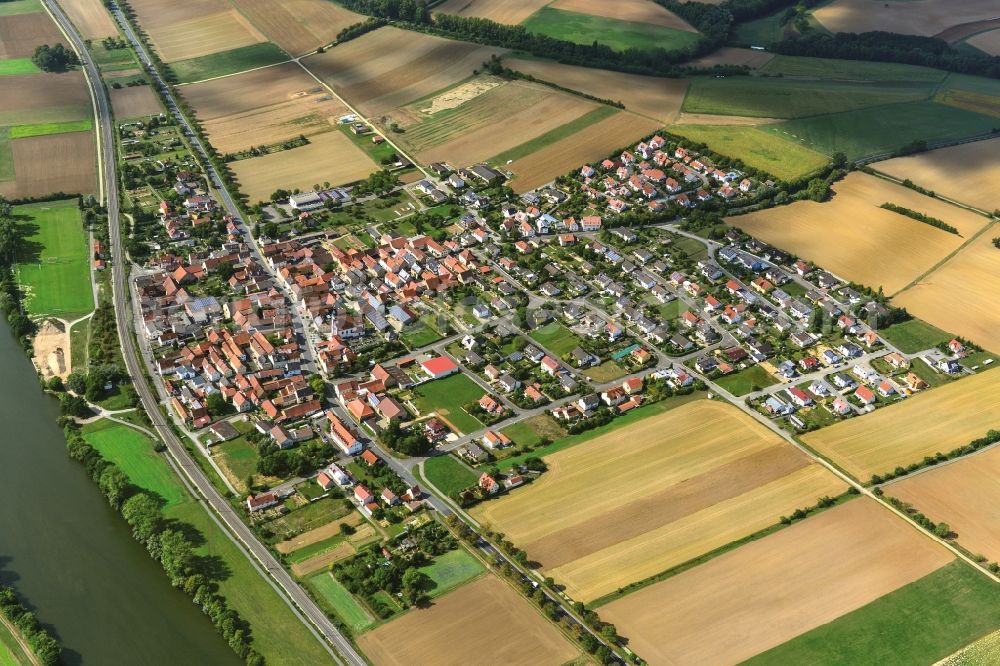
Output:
(226, 76)
(933, 269)
(927, 468)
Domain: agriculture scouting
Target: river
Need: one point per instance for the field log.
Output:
(71, 558)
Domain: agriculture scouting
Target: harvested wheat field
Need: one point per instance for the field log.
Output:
(134, 101)
(636, 501)
(942, 419)
(987, 41)
(390, 68)
(262, 107)
(194, 28)
(854, 238)
(328, 157)
(488, 121)
(636, 11)
(482, 617)
(20, 34)
(962, 294)
(962, 30)
(650, 96)
(731, 55)
(53, 163)
(589, 145)
(91, 18)
(964, 494)
(510, 12)
(908, 17)
(769, 591)
(45, 98)
(298, 26)
(952, 172)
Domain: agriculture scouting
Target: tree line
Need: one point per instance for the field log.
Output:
(168, 541)
(920, 217)
(41, 642)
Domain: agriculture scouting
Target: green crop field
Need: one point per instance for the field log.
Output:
(19, 66)
(11, 652)
(54, 259)
(449, 475)
(914, 335)
(761, 31)
(44, 129)
(851, 70)
(419, 335)
(790, 98)
(227, 62)
(530, 432)
(919, 623)
(557, 339)
(620, 35)
(780, 157)
(11, 7)
(452, 569)
(277, 633)
(6, 156)
(337, 597)
(448, 396)
(558, 134)
(874, 131)
(744, 381)
(981, 653)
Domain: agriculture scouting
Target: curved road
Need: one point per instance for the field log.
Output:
(293, 594)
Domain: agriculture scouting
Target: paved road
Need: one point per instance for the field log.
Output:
(293, 594)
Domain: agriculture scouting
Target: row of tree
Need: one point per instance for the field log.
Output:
(42, 643)
(169, 542)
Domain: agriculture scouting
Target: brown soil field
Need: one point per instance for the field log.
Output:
(53, 163)
(730, 55)
(961, 295)
(121, 74)
(963, 30)
(942, 419)
(20, 34)
(854, 238)
(987, 41)
(498, 120)
(968, 173)
(964, 494)
(328, 157)
(651, 96)
(909, 17)
(298, 26)
(318, 534)
(636, 11)
(389, 68)
(717, 476)
(510, 12)
(194, 28)
(262, 107)
(343, 550)
(135, 101)
(90, 18)
(767, 592)
(595, 142)
(45, 98)
(483, 617)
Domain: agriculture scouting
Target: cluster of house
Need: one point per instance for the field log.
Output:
(622, 398)
(198, 207)
(649, 175)
(333, 476)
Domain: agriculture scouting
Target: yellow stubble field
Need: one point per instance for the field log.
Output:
(641, 499)
(298, 26)
(909, 17)
(510, 12)
(194, 28)
(91, 18)
(769, 591)
(853, 237)
(942, 419)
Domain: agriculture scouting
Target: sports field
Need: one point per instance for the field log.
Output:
(962, 293)
(390, 68)
(771, 590)
(483, 616)
(447, 397)
(948, 171)
(768, 152)
(931, 421)
(54, 262)
(195, 28)
(853, 237)
(920, 623)
(298, 26)
(643, 498)
(564, 20)
(910, 17)
(262, 107)
(223, 63)
(651, 96)
(964, 494)
(454, 568)
(328, 157)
